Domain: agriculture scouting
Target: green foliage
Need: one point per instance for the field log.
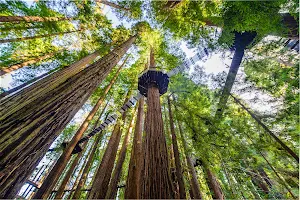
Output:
(231, 147)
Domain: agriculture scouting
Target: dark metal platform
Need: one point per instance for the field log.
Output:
(153, 77)
(76, 150)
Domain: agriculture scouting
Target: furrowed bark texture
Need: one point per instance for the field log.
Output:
(115, 179)
(29, 126)
(283, 145)
(31, 19)
(132, 188)
(48, 185)
(76, 181)
(26, 63)
(156, 183)
(24, 85)
(100, 184)
(195, 187)
(213, 184)
(179, 175)
(89, 162)
(37, 36)
(87, 167)
(68, 175)
(43, 86)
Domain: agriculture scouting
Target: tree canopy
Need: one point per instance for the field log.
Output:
(233, 90)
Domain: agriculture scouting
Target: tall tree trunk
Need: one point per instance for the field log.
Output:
(115, 179)
(276, 173)
(100, 184)
(265, 177)
(31, 19)
(233, 70)
(172, 4)
(171, 156)
(132, 188)
(76, 181)
(258, 181)
(41, 87)
(241, 41)
(179, 175)
(231, 186)
(29, 127)
(194, 180)
(156, 183)
(213, 184)
(113, 5)
(69, 173)
(48, 185)
(27, 27)
(37, 36)
(90, 159)
(284, 146)
(24, 85)
(26, 63)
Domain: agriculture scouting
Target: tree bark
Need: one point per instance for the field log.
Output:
(100, 184)
(41, 87)
(60, 191)
(37, 36)
(115, 179)
(194, 180)
(156, 183)
(65, 157)
(276, 173)
(76, 181)
(258, 181)
(31, 19)
(265, 177)
(23, 85)
(89, 162)
(213, 184)
(113, 5)
(171, 156)
(26, 63)
(284, 146)
(179, 175)
(132, 188)
(233, 70)
(172, 4)
(29, 127)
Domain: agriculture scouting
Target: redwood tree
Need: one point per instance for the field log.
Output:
(37, 36)
(283, 145)
(50, 181)
(28, 127)
(179, 175)
(115, 179)
(60, 191)
(100, 184)
(26, 63)
(89, 161)
(156, 183)
(31, 19)
(195, 187)
(132, 188)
